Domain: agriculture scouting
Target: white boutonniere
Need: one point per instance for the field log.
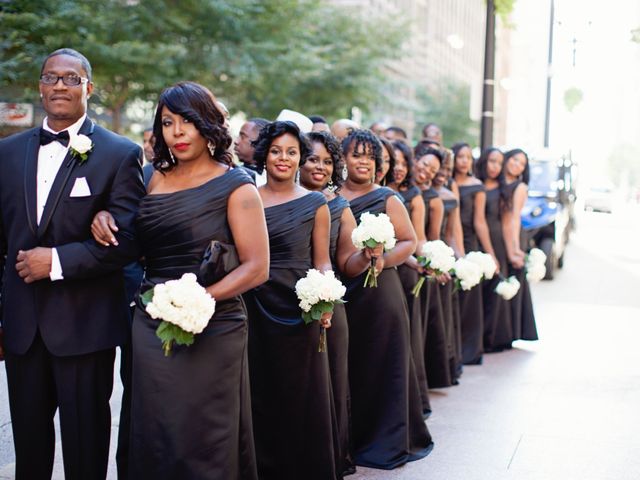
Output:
(80, 146)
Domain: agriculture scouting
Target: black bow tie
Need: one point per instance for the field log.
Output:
(46, 137)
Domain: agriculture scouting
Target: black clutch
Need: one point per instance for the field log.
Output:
(218, 260)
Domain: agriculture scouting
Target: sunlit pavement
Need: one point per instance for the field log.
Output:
(566, 407)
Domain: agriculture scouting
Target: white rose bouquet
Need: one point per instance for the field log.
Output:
(372, 231)
(318, 292)
(508, 287)
(535, 265)
(437, 256)
(484, 261)
(80, 146)
(468, 274)
(184, 307)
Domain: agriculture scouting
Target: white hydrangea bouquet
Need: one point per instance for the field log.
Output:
(468, 274)
(485, 262)
(372, 231)
(508, 287)
(318, 292)
(535, 265)
(184, 307)
(436, 256)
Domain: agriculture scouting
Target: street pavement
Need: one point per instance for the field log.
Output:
(565, 407)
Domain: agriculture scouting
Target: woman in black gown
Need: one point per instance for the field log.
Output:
(191, 414)
(497, 311)
(411, 270)
(437, 356)
(451, 234)
(293, 414)
(321, 169)
(516, 178)
(476, 235)
(388, 429)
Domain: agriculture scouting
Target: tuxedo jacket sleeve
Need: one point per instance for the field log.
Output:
(83, 259)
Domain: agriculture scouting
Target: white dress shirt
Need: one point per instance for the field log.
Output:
(50, 158)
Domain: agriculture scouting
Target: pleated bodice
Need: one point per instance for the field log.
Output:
(467, 198)
(374, 202)
(408, 195)
(494, 221)
(175, 229)
(290, 226)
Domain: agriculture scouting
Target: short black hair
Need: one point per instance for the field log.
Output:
(401, 131)
(86, 66)
(430, 124)
(431, 151)
(269, 133)
(332, 145)
(367, 139)
(259, 122)
(408, 156)
(317, 119)
(197, 104)
(424, 145)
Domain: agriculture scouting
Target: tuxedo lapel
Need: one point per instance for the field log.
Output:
(62, 177)
(31, 180)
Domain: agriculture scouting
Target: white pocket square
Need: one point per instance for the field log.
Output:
(80, 188)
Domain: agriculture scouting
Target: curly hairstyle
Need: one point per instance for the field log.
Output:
(269, 133)
(408, 156)
(511, 153)
(431, 151)
(456, 149)
(332, 145)
(366, 139)
(424, 144)
(197, 104)
(388, 178)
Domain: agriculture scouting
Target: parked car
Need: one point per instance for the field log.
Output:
(548, 215)
(599, 198)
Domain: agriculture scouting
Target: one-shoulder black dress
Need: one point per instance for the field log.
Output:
(388, 429)
(338, 350)
(471, 313)
(450, 305)
(191, 414)
(293, 417)
(523, 319)
(436, 344)
(497, 311)
(409, 277)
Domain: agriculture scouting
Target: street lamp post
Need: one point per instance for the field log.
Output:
(486, 126)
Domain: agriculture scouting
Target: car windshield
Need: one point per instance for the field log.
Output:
(543, 178)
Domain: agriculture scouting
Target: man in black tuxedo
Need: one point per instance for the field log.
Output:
(63, 308)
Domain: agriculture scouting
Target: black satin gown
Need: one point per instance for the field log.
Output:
(191, 413)
(388, 429)
(292, 405)
(471, 310)
(338, 350)
(450, 306)
(436, 344)
(523, 320)
(497, 311)
(409, 277)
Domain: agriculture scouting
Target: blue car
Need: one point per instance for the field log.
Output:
(548, 215)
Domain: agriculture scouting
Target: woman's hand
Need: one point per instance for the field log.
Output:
(517, 260)
(102, 229)
(443, 278)
(325, 320)
(375, 252)
(412, 262)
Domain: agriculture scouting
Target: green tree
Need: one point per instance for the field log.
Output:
(259, 56)
(447, 104)
(572, 98)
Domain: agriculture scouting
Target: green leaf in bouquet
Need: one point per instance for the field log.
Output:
(316, 312)
(371, 243)
(147, 297)
(170, 334)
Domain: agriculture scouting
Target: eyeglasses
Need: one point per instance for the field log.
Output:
(69, 79)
